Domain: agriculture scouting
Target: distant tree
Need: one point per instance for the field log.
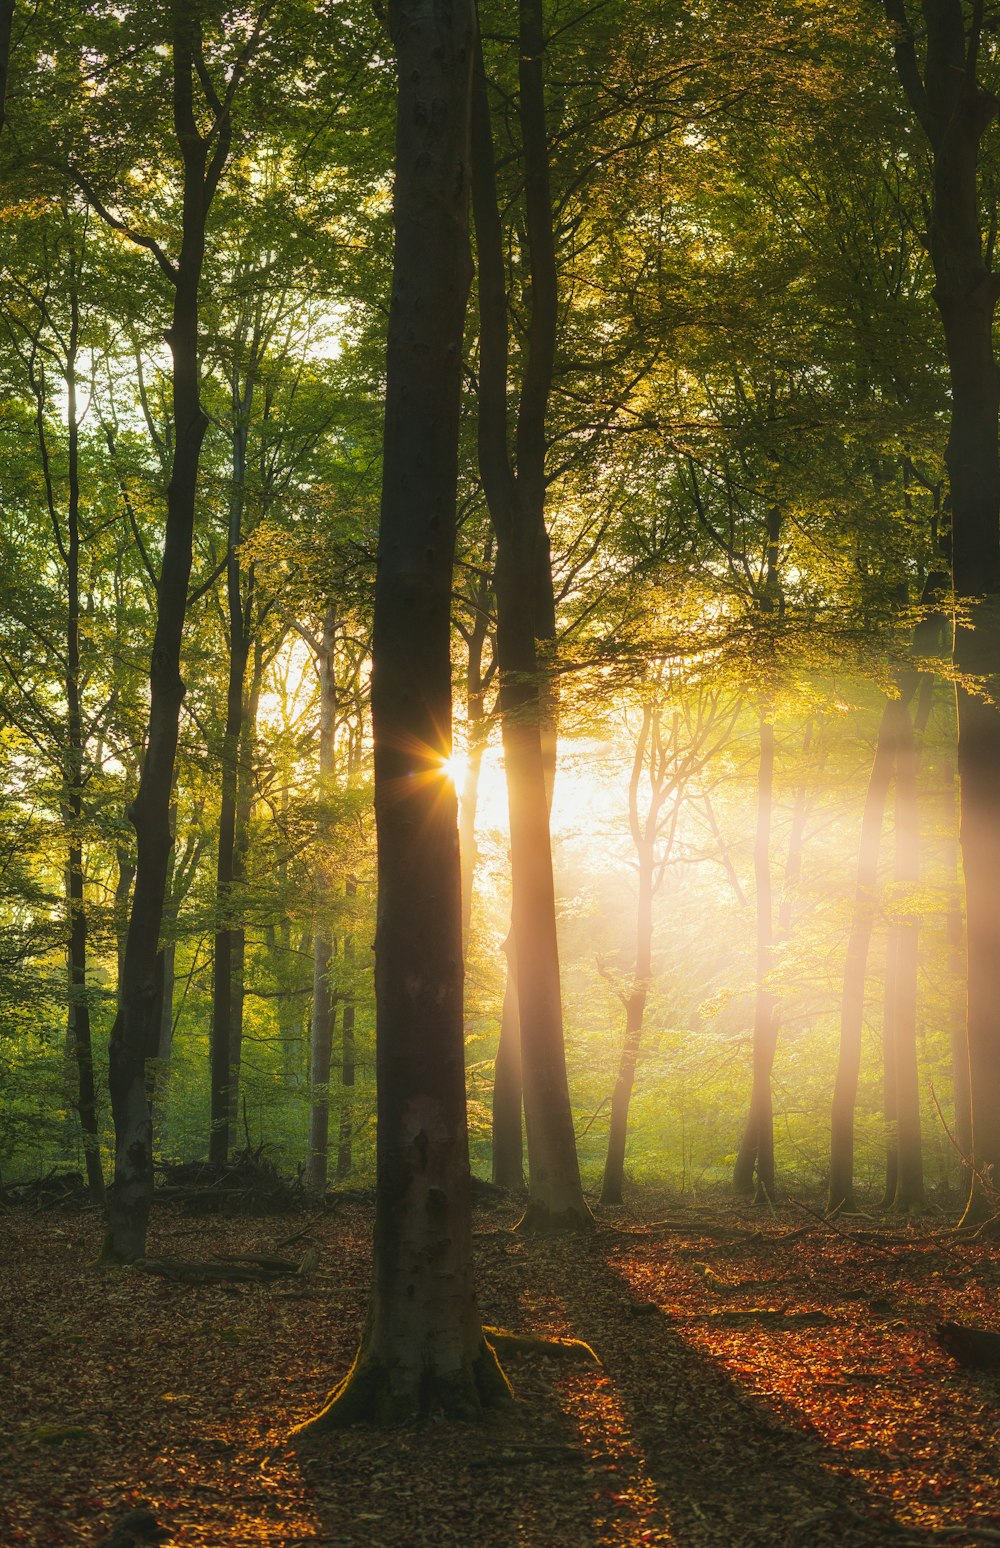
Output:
(674, 743)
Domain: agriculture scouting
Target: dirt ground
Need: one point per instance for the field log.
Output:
(765, 1378)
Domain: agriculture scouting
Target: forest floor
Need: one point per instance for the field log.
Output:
(765, 1378)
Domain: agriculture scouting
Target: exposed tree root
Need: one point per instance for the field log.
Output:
(539, 1345)
(372, 1393)
(537, 1220)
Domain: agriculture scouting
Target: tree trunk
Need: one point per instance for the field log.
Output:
(755, 1158)
(423, 1348)
(524, 605)
(136, 1027)
(845, 1092)
(345, 1136)
(955, 935)
(508, 1128)
(614, 1165)
(475, 699)
(890, 1106)
(909, 1194)
(244, 810)
(955, 112)
(323, 1003)
(79, 1006)
(223, 1100)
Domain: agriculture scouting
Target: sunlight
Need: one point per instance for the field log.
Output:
(455, 768)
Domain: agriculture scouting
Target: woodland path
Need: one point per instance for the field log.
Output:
(764, 1380)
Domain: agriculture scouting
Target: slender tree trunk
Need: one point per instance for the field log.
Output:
(955, 112)
(244, 811)
(423, 1347)
(136, 1026)
(909, 1194)
(508, 1128)
(223, 1099)
(841, 1190)
(79, 1005)
(323, 1003)
(123, 893)
(524, 593)
(614, 1165)
(890, 1104)
(955, 935)
(476, 724)
(347, 1067)
(755, 1157)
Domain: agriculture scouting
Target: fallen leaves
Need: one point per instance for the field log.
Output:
(811, 1407)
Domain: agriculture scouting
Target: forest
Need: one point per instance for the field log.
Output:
(499, 772)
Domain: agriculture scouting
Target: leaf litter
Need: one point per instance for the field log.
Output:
(760, 1383)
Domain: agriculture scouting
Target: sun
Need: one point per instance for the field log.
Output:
(454, 769)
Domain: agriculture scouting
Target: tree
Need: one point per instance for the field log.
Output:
(941, 82)
(135, 1035)
(668, 759)
(423, 1348)
(515, 493)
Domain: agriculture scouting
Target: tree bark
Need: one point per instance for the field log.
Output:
(75, 775)
(840, 1194)
(323, 1004)
(909, 1192)
(508, 1126)
(423, 1348)
(525, 614)
(136, 1027)
(226, 954)
(755, 1158)
(345, 1137)
(621, 1097)
(644, 838)
(955, 935)
(955, 112)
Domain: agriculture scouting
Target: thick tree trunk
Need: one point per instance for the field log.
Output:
(755, 1158)
(323, 1002)
(955, 113)
(845, 1092)
(423, 1347)
(136, 1027)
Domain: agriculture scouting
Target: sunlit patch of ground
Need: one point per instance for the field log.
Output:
(706, 1424)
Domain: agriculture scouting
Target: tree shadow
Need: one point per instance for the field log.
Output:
(728, 1468)
(660, 1446)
